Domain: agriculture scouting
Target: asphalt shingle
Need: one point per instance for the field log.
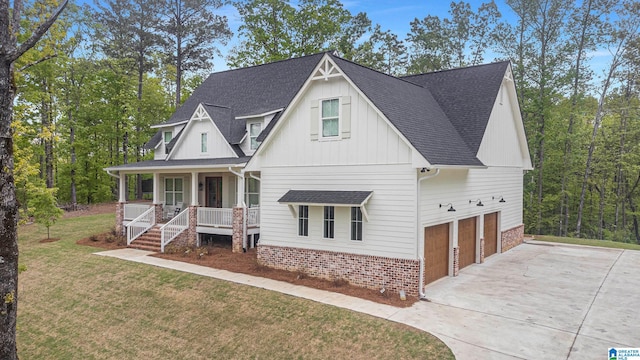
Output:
(325, 197)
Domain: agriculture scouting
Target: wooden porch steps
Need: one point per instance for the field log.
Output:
(149, 241)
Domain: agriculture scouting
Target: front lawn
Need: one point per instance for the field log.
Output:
(75, 305)
(588, 242)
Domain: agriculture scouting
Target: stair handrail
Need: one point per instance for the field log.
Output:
(141, 224)
(173, 228)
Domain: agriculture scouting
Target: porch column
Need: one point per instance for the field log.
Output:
(120, 228)
(156, 188)
(122, 188)
(157, 202)
(193, 222)
(194, 189)
(237, 239)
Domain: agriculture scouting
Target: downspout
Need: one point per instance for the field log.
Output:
(421, 293)
(110, 174)
(245, 213)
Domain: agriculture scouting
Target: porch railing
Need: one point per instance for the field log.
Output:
(173, 228)
(132, 211)
(215, 216)
(141, 224)
(253, 216)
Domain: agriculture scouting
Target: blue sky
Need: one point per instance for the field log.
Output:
(394, 15)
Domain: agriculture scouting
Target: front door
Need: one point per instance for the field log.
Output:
(214, 192)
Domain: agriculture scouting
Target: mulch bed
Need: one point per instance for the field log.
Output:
(220, 257)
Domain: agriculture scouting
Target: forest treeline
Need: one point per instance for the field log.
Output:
(89, 91)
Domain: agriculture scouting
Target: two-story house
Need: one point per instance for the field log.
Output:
(344, 172)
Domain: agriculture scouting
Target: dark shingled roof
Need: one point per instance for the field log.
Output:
(154, 164)
(443, 114)
(154, 141)
(267, 130)
(414, 111)
(253, 90)
(173, 141)
(233, 130)
(325, 197)
(466, 95)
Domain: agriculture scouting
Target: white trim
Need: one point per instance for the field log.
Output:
(186, 128)
(258, 115)
(320, 119)
(149, 170)
(168, 125)
(299, 96)
(248, 132)
(517, 116)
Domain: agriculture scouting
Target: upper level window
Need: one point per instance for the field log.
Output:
(330, 118)
(254, 131)
(168, 135)
(203, 142)
(329, 222)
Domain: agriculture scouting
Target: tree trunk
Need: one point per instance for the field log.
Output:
(564, 197)
(8, 219)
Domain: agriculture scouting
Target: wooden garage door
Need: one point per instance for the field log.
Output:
(490, 234)
(436, 252)
(467, 241)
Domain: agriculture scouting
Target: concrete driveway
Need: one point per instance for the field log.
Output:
(536, 301)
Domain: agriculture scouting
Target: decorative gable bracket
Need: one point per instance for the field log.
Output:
(326, 70)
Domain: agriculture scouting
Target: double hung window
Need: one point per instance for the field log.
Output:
(330, 118)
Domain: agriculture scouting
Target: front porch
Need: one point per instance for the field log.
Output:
(188, 205)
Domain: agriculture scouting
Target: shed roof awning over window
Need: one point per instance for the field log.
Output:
(326, 197)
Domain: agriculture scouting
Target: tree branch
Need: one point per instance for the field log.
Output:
(15, 22)
(38, 33)
(43, 59)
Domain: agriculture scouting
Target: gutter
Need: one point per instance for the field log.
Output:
(421, 293)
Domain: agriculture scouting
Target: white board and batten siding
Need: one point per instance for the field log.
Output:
(503, 143)
(371, 141)
(263, 121)
(190, 145)
(371, 158)
(458, 187)
(159, 153)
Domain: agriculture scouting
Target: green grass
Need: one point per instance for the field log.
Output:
(75, 305)
(588, 242)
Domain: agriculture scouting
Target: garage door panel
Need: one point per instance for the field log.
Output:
(436, 252)
(467, 241)
(490, 234)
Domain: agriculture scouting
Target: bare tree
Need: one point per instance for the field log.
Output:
(10, 51)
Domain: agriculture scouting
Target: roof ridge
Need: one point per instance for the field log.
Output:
(214, 105)
(377, 71)
(270, 63)
(458, 68)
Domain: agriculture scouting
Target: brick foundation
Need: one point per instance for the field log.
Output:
(512, 237)
(158, 212)
(237, 229)
(456, 261)
(481, 250)
(120, 229)
(373, 272)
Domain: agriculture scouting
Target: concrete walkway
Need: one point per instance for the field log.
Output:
(537, 301)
